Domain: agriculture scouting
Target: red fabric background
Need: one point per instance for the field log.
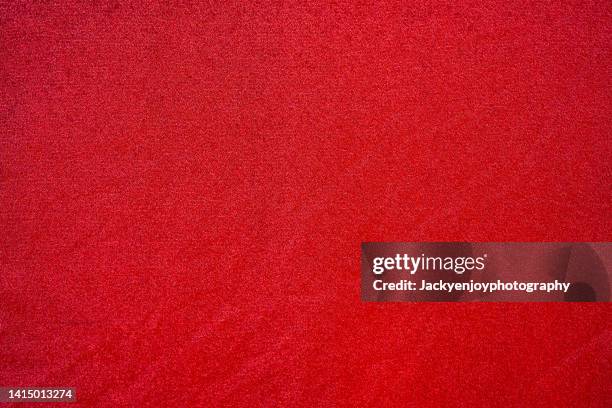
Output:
(184, 191)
